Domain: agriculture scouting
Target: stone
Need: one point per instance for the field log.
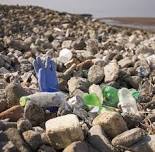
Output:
(126, 62)
(78, 83)
(133, 81)
(79, 44)
(85, 64)
(4, 125)
(129, 137)
(26, 77)
(38, 129)
(3, 70)
(111, 71)
(96, 74)
(3, 137)
(92, 46)
(33, 139)
(3, 105)
(13, 93)
(19, 45)
(61, 134)
(23, 125)
(14, 136)
(45, 148)
(34, 114)
(13, 113)
(66, 44)
(77, 146)
(111, 122)
(132, 120)
(8, 147)
(147, 144)
(98, 139)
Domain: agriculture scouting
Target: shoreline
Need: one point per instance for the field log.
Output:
(131, 22)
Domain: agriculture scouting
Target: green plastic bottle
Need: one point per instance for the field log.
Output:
(91, 100)
(110, 95)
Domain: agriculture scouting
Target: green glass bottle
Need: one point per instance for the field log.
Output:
(91, 100)
(110, 95)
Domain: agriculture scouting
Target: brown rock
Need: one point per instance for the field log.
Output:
(111, 122)
(13, 113)
(14, 92)
(128, 138)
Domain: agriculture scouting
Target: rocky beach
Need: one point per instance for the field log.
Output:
(98, 55)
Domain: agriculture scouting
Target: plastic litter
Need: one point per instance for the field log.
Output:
(65, 55)
(127, 101)
(46, 74)
(47, 100)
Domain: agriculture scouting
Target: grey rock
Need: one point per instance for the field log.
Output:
(77, 147)
(33, 139)
(92, 46)
(45, 148)
(147, 144)
(3, 137)
(98, 139)
(128, 138)
(4, 125)
(38, 129)
(34, 114)
(3, 105)
(96, 74)
(23, 125)
(14, 136)
(8, 147)
(79, 44)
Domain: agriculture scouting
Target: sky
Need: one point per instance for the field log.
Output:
(99, 8)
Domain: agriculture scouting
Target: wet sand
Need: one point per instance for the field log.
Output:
(132, 22)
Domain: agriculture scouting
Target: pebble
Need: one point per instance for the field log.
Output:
(79, 44)
(126, 62)
(96, 74)
(61, 134)
(24, 125)
(98, 139)
(128, 138)
(111, 122)
(13, 93)
(14, 136)
(45, 148)
(147, 144)
(34, 114)
(111, 71)
(78, 83)
(33, 139)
